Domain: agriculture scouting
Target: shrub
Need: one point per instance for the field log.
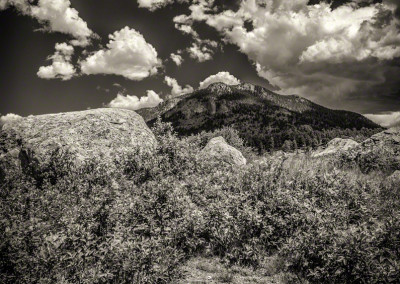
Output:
(136, 220)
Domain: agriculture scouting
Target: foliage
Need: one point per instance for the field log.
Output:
(379, 159)
(138, 219)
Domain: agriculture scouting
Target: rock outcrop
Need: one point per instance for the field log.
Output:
(105, 134)
(380, 151)
(389, 140)
(336, 145)
(218, 149)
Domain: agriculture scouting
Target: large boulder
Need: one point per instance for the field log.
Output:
(380, 151)
(388, 139)
(335, 146)
(219, 150)
(106, 134)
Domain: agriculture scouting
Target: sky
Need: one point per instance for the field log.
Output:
(67, 55)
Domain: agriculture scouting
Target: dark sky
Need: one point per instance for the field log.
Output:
(329, 68)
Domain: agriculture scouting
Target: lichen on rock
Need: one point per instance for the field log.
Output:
(218, 149)
(107, 134)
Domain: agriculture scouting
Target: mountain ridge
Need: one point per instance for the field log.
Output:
(259, 114)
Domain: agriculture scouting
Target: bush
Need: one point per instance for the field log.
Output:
(136, 220)
(351, 239)
(379, 159)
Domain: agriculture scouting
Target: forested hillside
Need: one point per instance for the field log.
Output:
(265, 120)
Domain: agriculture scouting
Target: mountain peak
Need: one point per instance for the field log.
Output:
(217, 84)
(219, 87)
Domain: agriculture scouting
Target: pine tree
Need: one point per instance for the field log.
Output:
(294, 145)
(287, 146)
(303, 141)
(271, 143)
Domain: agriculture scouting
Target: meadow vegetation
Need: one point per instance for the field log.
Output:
(141, 219)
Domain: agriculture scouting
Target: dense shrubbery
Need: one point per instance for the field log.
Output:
(379, 159)
(137, 220)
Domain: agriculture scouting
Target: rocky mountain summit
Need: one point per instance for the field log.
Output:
(104, 134)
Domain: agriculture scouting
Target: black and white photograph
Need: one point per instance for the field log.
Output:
(199, 141)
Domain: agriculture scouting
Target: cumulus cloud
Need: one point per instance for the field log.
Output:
(61, 66)
(127, 54)
(391, 119)
(10, 117)
(152, 99)
(4, 4)
(56, 16)
(184, 24)
(153, 5)
(202, 10)
(224, 77)
(177, 58)
(312, 50)
(202, 50)
(177, 90)
(201, 54)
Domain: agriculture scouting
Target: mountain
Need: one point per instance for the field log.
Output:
(264, 119)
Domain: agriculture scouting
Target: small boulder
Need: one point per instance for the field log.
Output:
(336, 145)
(218, 149)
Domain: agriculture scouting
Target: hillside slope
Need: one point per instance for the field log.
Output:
(266, 120)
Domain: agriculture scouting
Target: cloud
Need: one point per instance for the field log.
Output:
(202, 50)
(56, 16)
(201, 54)
(61, 66)
(204, 11)
(4, 4)
(127, 54)
(223, 77)
(152, 99)
(177, 90)
(391, 119)
(312, 50)
(177, 58)
(10, 117)
(184, 24)
(153, 5)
